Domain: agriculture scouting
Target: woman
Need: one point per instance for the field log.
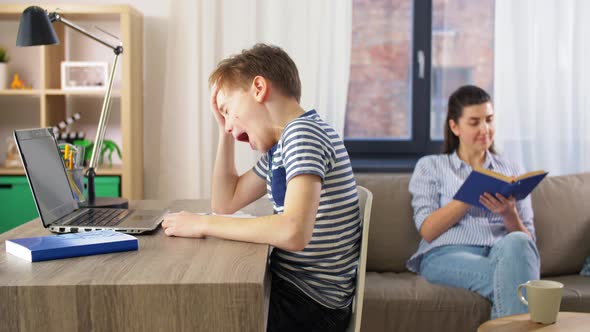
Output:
(488, 252)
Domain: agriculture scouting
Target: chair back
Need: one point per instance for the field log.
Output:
(365, 204)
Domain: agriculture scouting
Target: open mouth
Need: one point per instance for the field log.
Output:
(243, 137)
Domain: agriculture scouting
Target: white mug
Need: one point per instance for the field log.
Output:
(544, 299)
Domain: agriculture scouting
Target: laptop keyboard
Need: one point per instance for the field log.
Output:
(100, 217)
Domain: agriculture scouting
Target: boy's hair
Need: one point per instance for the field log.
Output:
(268, 61)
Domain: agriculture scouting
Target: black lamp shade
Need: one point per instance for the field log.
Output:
(35, 28)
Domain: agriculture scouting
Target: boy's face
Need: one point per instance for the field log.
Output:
(246, 117)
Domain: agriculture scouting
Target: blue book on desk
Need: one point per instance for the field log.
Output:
(49, 247)
(483, 180)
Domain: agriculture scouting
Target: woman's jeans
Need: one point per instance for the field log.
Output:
(493, 272)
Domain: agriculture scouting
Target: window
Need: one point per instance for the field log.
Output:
(445, 80)
(379, 98)
(407, 57)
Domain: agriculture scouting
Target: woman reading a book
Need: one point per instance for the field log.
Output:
(487, 250)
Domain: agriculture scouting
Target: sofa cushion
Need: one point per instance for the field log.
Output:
(393, 238)
(407, 302)
(562, 222)
(576, 293)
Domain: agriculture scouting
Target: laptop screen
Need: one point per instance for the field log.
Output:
(46, 174)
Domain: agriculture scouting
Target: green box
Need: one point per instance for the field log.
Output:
(105, 186)
(16, 200)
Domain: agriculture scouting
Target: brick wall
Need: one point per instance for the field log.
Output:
(379, 90)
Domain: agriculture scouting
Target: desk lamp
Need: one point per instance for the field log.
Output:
(35, 29)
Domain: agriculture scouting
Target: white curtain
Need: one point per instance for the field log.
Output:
(542, 83)
(316, 34)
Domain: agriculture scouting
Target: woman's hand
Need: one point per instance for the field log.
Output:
(505, 207)
(184, 224)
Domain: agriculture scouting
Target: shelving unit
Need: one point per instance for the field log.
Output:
(41, 66)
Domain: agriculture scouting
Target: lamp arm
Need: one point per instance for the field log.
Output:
(104, 116)
(100, 131)
(56, 17)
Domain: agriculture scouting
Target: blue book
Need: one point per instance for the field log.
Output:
(483, 180)
(43, 248)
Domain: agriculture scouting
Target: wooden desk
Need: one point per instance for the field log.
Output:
(566, 322)
(169, 284)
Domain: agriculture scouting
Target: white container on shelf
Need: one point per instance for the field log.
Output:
(83, 75)
(3, 75)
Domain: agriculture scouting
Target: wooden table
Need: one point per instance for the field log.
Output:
(169, 284)
(566, 321)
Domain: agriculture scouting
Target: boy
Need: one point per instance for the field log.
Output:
(306, 172)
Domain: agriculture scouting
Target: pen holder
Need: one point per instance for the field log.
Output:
(79, 161)
(76, 180)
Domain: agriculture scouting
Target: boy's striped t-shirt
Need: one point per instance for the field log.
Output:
(326, 269)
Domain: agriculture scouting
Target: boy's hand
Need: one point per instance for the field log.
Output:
(184, 224)
(215, 109)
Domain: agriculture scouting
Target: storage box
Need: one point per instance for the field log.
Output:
(16, 200)
(105, 186)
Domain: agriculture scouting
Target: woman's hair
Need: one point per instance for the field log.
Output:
(467, 95)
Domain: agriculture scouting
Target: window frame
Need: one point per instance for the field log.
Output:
(397, 155)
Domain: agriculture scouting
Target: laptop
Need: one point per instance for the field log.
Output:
(58, 209)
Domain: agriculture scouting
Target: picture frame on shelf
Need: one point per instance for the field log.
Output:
(84, 75)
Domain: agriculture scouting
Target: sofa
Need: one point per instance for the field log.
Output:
(398, 300)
